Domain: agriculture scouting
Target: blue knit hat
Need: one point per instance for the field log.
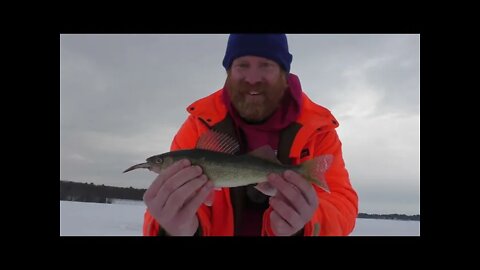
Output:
(271, 46)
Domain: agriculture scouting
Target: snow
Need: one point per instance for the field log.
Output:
(125, 218)
(100, 219)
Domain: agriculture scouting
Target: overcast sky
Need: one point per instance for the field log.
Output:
(123, 97)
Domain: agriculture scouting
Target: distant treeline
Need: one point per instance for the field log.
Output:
(83, 192)
(89, 192)
(390, 216)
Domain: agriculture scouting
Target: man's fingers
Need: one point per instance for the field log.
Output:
(178, 179)
(175, 167)
(172, 184)
(286, 212)
(164, 175)
(179, 197)
(191, 207)
(303, 186)
(292, 194)
(279, 225)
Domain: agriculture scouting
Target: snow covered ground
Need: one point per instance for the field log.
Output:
(124, 218)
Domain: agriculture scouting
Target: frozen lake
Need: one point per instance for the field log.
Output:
(125, 218)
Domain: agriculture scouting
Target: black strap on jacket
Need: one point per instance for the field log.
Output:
(246, 196)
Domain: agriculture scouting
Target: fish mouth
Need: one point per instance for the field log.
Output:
(138, 166)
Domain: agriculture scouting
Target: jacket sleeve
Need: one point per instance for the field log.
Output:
(186, 138)
(337, 211)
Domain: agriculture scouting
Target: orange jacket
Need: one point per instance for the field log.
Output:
(336, 213)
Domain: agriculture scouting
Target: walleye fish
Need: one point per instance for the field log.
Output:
(215, 153)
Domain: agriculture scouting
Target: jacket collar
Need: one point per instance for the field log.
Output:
(212, 110)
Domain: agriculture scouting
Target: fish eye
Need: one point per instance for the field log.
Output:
(158, 160)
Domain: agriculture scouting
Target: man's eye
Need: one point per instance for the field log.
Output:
(243, 65)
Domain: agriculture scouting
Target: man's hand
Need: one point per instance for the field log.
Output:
(175, 196)
(294, 203)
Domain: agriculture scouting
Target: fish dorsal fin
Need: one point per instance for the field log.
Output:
(265, 152)
(218, 142)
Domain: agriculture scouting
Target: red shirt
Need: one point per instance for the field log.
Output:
(257, 135)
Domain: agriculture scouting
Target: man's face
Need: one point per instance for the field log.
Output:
(256, 86)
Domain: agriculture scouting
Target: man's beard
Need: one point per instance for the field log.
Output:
(256, 108)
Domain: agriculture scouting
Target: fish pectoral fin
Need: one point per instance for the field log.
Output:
(209, 200)
(266, 189)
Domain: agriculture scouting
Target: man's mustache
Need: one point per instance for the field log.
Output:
(246, 89)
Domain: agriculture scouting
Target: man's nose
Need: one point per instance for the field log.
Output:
(253, 76)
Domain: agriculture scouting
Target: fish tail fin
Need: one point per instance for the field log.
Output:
(314, 170)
